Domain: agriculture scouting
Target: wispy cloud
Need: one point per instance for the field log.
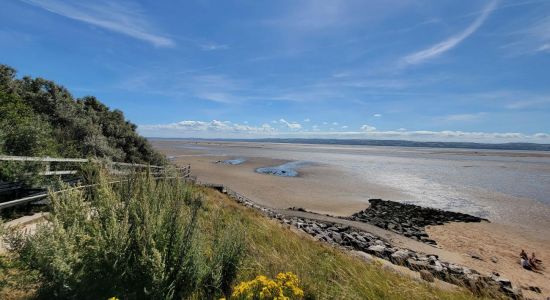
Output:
(536, 102)
(451, 42)
(117, 16)
(213, 47)
(290, 125)
(211, 87)
(463, 117)
(368, 128)
(534, 38)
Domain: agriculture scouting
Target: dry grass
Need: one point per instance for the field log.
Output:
(325, 272)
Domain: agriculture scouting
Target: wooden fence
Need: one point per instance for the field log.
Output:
(115, 168)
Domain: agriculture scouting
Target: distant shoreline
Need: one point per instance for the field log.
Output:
(392, 143)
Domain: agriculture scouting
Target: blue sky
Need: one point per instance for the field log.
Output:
(418, 70)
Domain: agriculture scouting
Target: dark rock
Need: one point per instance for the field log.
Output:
(455, 269)
(377, 250)
(407, 219)
(417, 265)
(400, 257)
(475, 255)
(336, 237)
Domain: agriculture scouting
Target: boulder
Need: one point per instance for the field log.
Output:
(336, 237)
(400, 257)
(456, 269)
(417, 265)
(376, 250)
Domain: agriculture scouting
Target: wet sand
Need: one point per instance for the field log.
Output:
(318, 187)
(503, 242)
(517, 222)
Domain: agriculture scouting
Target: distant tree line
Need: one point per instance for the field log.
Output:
(39, 117)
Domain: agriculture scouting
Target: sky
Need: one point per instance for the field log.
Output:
(475, 70)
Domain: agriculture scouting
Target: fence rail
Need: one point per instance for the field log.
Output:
(42, 159)
(183, 172)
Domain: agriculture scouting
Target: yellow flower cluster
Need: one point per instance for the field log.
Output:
(284, 287)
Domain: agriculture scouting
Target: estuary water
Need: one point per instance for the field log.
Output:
(442, 178)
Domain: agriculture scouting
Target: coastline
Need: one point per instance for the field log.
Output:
(324, 189)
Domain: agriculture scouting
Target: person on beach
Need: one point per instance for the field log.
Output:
(535, 262)
(530, 263)
(525, 260)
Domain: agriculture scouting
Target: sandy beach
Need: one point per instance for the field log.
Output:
(520, 219)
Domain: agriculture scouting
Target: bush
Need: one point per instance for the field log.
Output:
(134, 239)
(39, 117)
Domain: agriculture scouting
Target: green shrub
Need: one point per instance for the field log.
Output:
(134, 239)
(39, 117)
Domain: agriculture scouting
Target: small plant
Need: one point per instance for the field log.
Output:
(285, 286)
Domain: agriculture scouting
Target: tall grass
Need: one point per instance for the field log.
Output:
(134, 239)
(163, 239)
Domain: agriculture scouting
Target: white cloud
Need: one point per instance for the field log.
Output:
(117, 16)
(451, 42)
(377, 115)
(213, 47)
(368, 128)
(227, 129)
(214, 126)
(307, 120)
(345, 127)
(335, 123)
(290, 125)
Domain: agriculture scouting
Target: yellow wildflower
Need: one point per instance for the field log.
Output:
(284, 287)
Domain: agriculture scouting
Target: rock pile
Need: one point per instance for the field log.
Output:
(408, 219)
(350, 238)
(429, 264)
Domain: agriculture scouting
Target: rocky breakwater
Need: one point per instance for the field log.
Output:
(408, 219)
(429, 265)
(366, 245)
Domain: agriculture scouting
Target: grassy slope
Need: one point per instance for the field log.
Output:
(325, 272)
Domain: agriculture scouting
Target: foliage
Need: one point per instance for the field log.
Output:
(39, 117)
(134, 239)
(22, 131)
(284, 287)
(16, 280)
